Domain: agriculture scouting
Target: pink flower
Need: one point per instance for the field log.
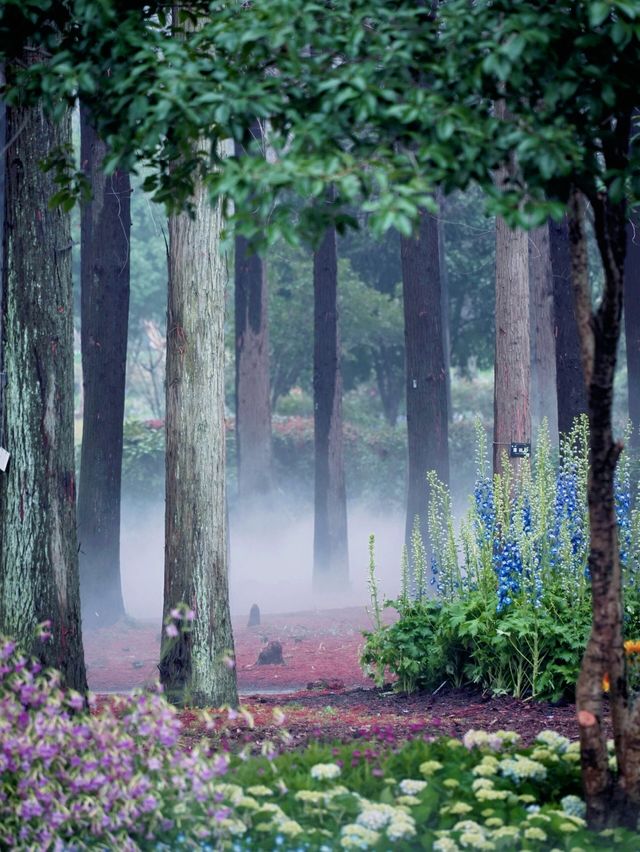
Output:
(171, 630)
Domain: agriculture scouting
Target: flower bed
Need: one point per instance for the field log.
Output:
(118, 777)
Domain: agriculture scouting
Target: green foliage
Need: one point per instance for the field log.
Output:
(143, 460)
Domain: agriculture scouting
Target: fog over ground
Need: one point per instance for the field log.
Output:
(271, 560)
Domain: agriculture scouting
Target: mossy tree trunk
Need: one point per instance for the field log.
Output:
(194, 666)
(105, 234)
(330, 543)
(426, 371)
(38, 543)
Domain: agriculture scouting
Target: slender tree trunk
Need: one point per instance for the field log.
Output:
(512, 416)
(389, 388)
(632, 323)
(105, 232)
(253, 405)
(543, 357)
(426, 378)
(571, 393)
(38, 544)
(612, 798)
(194, 665)
(330, 543)
(444, 294)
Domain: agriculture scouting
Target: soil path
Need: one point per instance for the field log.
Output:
(320, 688)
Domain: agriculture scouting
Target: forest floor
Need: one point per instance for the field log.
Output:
(318, 692)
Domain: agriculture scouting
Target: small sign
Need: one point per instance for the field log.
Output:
(519, 451)
(4, 459)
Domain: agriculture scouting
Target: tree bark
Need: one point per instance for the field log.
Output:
(253, 405)
(444, 294)
(610, 799)
(571, 392)
(104, 277)
(426, 376)
(330, 543)
(38, 544)
(512, 416)
(194, 665)
(543, 357)
(632, 323)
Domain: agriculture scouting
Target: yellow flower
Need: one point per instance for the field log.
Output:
(632, 647)
(606, 684)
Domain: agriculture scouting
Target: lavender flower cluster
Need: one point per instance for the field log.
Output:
(114, 777)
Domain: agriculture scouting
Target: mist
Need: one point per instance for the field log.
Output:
(271, 560)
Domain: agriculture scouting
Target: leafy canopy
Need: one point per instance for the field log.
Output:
(384, 101)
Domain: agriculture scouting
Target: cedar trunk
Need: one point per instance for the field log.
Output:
(426, 373)
(543, 357)
(253, 405)
(444, 295)
(194, 666)
(632, 323)
(38, 544)
(330, 543)
(571, 393)
(104, 281)
(511, 412)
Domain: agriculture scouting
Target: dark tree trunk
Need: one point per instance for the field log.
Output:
(38, 544)
(511, 411)
(543, 357)
(444, 294)
(571, 393)
(194, 665)
(632, 323)
(426, 379)
(253, 404)
(105, 233)
(330, 544)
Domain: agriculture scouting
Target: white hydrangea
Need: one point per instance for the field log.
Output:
(374, 818)
(553, 740)
(325, 771)
(534, 833)
(520, 768)
(429, 767)
(401, 829)
(475, 840)
(409, 787)
(312, 797)
(445, 844)
(259, 790)
(574, 806)
(494, 740)
(355, 836)
(290, 828)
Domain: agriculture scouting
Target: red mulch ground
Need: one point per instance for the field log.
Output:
(320, 651)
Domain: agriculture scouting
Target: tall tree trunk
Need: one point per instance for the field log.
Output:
(444, 293)
(38, 544)
(194, 665)
(253, 405)
(613, 798)
(426, 379)
(104, 276)
(571, 393)
(511, 412)
(330, 543)
(632, 323)
(543, 357)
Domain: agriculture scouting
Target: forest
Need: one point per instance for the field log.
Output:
(324, 316)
